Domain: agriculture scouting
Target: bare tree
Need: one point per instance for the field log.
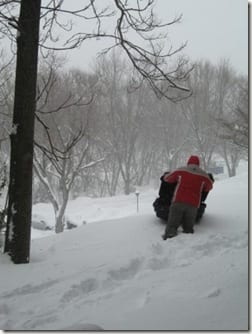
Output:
(151, 62)
(58, 176)
(234, 126)
(235, 122)
(125, 113)
(62, 139)
(213, 114)
(232, 155)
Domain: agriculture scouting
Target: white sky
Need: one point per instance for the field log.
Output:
(215, 30)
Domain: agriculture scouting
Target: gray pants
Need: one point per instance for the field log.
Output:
(181, 214)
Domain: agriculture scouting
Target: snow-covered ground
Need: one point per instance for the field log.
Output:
(116, 273)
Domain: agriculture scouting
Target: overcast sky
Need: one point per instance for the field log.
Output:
(214, 30)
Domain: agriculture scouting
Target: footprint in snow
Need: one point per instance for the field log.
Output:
(80, 290)
(29, 289)
(155, 263)
(128, 271)
(157, 249)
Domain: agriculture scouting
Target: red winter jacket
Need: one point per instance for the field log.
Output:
(191, 181)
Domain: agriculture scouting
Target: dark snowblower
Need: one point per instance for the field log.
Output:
(162, 204)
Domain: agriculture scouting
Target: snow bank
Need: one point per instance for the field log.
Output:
(119, 274)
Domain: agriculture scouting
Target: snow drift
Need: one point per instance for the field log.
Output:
(118, 274)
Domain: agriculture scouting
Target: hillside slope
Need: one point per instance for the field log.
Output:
(120, 275)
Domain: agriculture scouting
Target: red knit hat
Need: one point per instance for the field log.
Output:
(193, 160)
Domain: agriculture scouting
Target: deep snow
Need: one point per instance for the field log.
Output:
(115, 272)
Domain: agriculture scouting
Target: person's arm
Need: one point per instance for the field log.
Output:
(165, 174)
(171, 178)
(204, 196)
(208, 185)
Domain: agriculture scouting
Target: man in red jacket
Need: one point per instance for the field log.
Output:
(191, 181)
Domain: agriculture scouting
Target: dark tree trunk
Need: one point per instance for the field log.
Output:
(17, 242)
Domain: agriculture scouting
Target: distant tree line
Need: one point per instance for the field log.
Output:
(99, 135)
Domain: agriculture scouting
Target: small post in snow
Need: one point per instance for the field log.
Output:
(137, 197)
